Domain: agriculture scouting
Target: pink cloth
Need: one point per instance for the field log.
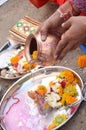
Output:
(80, 4)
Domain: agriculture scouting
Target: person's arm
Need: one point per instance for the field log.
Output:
(53, 23)
(75, 34)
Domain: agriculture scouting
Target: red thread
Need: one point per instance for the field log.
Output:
(67, 13)
(17, 101)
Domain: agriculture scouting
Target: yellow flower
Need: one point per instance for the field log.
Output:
(70, 90)
(51, 126)
(34, 55)
(60, 118)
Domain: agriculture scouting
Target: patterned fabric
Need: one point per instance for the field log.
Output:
(80, 4)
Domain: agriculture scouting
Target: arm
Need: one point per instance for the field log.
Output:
(75, 34)
(53, 24)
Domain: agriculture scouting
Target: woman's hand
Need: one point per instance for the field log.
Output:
(51, 26)
(75, 34)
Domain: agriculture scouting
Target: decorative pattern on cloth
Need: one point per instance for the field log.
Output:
(80, 4)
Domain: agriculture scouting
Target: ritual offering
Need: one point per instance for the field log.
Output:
(15, 64)
(45, 49)
(42, 100)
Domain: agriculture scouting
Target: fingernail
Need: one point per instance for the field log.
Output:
(43, 37)
(63, 24)
(55, 57)
(58, 61)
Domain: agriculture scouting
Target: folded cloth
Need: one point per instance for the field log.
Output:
(83, 47)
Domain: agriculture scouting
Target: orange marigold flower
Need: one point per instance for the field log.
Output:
(51, 126)
(33, 65)
(26, 66)
(60, 92)
(82, 61)
(41, 89)
(69, 76)
(69, 99)
(51, 83)
(14, 59)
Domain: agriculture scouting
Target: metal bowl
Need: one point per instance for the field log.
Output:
(26, 82)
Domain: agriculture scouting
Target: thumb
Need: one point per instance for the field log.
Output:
(44, 29)
(43, 32)
(43, 35)
(66, 25)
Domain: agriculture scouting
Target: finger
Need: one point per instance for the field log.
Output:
(44, 33)
(66, 25)
(77, 44)
(1, 117)
(65, 51)
(60, 46)
(43, 30)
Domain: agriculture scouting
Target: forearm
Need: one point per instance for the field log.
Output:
(68, 9)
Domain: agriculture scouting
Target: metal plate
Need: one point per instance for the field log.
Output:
(9, 71)
(19, 110)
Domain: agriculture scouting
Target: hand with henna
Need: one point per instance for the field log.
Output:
(75, 34)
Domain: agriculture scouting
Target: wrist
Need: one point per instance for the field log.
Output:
(58, 17)
(76, 11)
(66, 10)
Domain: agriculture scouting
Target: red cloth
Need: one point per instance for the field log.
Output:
(60, 2)
(40, 3)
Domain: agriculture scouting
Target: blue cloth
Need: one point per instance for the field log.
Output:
(83, 47)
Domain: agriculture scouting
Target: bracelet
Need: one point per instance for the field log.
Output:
(66, 13)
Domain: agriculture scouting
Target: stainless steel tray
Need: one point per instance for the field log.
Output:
(7, 70)
(18, 93)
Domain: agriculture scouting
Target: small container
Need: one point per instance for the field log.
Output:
(45, 49)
